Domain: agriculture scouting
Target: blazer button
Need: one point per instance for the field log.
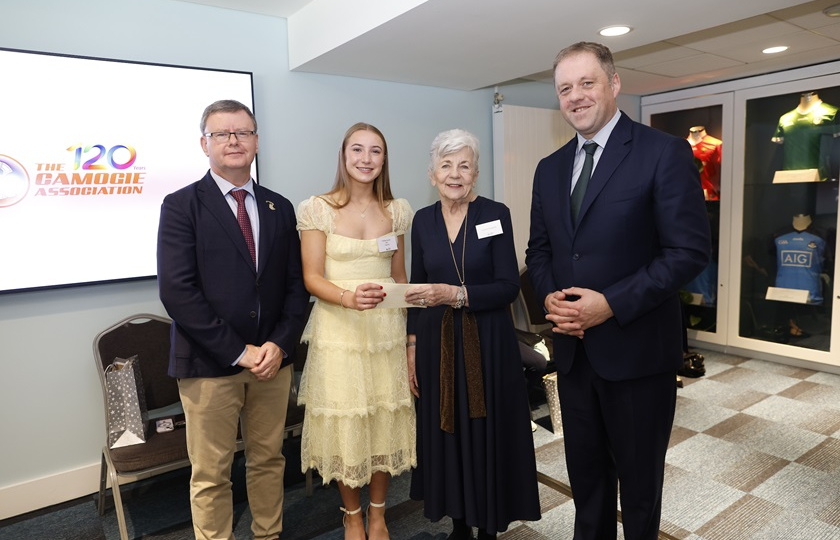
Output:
(253, 314)
(576, 256)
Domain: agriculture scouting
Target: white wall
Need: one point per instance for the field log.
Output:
(51, 420)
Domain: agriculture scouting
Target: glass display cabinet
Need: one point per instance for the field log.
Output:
(791, 158)
(773, 212)
(701, 123)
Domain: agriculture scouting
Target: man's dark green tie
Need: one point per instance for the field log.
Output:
(583, 179)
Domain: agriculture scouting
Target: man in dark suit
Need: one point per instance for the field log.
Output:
(229, 273)
(609, 258)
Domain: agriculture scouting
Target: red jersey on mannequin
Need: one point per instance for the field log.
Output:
(707, 154)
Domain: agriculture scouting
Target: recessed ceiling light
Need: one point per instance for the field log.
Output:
(612, 31)
(832, 11)
(774, 50)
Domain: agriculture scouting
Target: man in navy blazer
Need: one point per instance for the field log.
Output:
(610, 279)
(237, 312)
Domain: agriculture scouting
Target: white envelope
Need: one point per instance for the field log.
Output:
(395, 295)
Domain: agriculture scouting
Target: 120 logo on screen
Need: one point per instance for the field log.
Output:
(92, 163)
(96, 169)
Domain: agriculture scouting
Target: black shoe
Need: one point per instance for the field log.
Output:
(693, 366)
(679, 382)
(484, 535)
(460, 530)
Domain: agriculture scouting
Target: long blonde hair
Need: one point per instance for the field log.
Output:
(339, 196)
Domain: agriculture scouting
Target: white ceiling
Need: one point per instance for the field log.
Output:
(471, 44)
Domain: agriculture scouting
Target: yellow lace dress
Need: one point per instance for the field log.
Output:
(359, 409)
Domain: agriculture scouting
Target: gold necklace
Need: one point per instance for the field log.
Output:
(363, 213)
(463, 249)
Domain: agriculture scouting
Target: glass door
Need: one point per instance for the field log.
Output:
(706, 124)
(790, 192)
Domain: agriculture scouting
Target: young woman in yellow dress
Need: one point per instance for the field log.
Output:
(359, 427)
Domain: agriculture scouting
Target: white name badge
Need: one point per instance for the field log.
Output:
(491, 228)
(387, 243)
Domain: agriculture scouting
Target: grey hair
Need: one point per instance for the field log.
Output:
(225, 106)
(451, 141)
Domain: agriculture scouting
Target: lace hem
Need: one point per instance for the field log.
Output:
(350, 449)
(356, 477)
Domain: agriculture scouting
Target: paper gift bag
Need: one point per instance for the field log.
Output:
(553, 400)
(127, 414)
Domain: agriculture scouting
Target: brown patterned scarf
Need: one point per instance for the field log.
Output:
(472, 361)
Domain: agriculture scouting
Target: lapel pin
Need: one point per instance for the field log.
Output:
(270, 205)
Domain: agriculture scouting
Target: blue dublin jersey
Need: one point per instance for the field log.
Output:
(705, 284)
(799, 259)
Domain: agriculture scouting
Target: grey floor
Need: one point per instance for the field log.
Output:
(754, 455)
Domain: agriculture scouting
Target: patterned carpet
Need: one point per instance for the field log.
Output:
(754, 455)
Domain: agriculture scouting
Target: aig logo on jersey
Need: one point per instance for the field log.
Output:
(797, 258)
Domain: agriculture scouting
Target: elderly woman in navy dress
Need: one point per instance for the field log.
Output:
(474, 444)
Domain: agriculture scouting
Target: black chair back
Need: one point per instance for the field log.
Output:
(146, 336)
(533, 305)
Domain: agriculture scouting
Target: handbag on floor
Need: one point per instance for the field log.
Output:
(127, 414)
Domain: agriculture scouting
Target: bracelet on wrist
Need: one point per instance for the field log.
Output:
(461, 298)
(341, 298)
(411, 344)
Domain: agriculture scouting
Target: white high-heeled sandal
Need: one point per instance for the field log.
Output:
(367, 513)
(348, 513)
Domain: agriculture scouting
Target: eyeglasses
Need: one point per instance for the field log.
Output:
(224, 136)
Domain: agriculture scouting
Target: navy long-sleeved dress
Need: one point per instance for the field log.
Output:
(485, 471)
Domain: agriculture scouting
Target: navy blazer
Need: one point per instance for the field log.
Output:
(208, 284)
(642, 234)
